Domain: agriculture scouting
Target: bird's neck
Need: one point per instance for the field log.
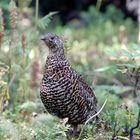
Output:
(55, 60)
(55, 57)
(54, 63)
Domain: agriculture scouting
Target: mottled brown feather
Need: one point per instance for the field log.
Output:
(63, 91)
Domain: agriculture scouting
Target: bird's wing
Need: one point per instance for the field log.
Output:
(85, 85)
(87, 88)
(76, 80)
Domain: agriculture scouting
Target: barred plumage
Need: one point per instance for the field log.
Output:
(63, 92)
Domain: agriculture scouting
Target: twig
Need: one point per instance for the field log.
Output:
(115, 131)
(92, 118)
(136, 126)
(135, 87)
(98, 5)
(137, 77)
(122, 138)
(36, 12)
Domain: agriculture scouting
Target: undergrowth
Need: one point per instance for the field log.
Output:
(104, 51)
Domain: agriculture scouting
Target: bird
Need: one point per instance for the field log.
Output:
(63, 91)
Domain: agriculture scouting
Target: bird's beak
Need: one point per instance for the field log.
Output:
(45, 39)
(42, 38)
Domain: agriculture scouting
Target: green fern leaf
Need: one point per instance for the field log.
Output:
(43, 22)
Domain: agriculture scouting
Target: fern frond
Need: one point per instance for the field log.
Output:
(43, 22)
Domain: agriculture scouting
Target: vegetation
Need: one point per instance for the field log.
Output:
(101, 47)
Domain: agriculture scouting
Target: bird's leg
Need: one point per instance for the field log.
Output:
(64, 120)
(72, 130)
(96, 124)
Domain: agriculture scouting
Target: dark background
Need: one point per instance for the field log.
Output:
(69, 9)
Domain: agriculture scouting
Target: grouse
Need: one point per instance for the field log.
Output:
(63, 91)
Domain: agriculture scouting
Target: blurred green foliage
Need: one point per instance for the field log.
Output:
(100, 50)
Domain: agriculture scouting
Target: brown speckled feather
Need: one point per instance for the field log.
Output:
(63, 92)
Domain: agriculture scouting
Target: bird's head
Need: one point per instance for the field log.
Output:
(54, 43)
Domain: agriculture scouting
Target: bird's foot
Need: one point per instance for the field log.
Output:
(72, 131)
(64, 120)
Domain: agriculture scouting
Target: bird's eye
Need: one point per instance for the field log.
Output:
(52, 38)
